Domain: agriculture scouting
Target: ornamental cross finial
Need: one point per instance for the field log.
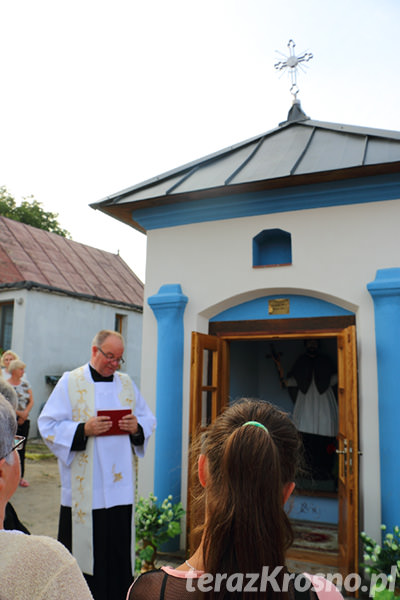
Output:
(293, 62)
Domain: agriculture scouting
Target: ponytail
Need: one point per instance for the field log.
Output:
(251, 452)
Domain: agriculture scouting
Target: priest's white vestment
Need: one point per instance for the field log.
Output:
(102, 475)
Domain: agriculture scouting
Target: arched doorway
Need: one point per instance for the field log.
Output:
(216, 381)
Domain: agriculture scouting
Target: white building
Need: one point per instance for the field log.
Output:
(55, 294)
(290, 235)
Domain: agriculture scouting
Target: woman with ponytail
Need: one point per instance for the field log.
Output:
(247, 462)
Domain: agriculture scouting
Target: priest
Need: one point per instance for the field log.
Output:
(96, 422)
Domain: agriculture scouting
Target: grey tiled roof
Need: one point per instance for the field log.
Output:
(30, 255)
(296, 149)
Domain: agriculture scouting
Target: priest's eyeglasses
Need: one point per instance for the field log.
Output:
(18, 443)
(110, 357)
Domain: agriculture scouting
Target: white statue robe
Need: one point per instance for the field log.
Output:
(314, 412)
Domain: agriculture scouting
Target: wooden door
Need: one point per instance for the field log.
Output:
(348, 451)
(209, 395)
(209, 381)
(209, 388)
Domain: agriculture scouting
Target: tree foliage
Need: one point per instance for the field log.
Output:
(30, 211)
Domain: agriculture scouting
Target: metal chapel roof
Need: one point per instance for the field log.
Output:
(300, 150)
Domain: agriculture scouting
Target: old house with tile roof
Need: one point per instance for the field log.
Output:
(55, 294)
(252, 250)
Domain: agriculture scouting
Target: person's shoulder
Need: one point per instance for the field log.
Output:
(147, 585)
(124, 376)
(48, 542)
(154, 575)
(41, 545)
(6, 535)
(42, 564)
(77, 372)
(127, 381)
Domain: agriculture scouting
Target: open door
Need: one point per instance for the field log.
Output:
(348, 452)
(210, 372)
(209, 385)
(209, 382)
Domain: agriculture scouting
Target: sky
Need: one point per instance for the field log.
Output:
(97, 95)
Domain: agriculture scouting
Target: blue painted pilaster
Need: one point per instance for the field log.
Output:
(385, 291)
(168, 306)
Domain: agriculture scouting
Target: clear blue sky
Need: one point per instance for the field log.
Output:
(99, 95)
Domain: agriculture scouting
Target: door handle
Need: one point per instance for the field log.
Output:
(343, 463)
(344, 451)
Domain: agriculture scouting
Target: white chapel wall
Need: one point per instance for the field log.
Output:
(336, 252)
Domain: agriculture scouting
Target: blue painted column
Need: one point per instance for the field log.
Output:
(385, 291)
(168, 306)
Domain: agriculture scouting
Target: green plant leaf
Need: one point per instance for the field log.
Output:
(383, 595)
(156, 522)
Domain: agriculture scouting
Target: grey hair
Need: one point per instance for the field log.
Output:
(16, 364)
(9, 393)
(102, 335)
(13, 354)
(8, 427)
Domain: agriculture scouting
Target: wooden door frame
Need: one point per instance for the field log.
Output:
(275, 329)
(301, 327)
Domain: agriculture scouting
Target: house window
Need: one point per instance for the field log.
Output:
(6, 322)
(272, 248)
(120, 324)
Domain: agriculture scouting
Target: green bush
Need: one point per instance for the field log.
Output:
(155, 524)
(383, 557)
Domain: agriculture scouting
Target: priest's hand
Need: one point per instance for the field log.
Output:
(129, 424)
(97, 425)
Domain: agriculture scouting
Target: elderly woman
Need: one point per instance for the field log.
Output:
(25, 402)
(31, 566)
(11, 520)
(5, 361)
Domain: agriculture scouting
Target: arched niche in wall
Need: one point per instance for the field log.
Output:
(272, 248)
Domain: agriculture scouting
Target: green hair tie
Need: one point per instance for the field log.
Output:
(256, 424)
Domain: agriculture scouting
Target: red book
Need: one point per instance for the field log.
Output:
(115, 414)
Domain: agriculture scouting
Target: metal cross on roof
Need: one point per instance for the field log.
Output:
(292, 63)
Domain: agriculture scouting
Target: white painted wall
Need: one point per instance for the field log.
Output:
(52, 333)
(336, 252)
